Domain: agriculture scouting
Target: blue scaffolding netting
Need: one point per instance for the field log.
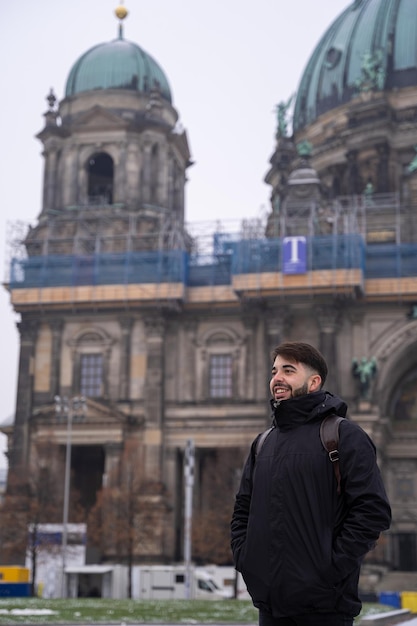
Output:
(230, 256)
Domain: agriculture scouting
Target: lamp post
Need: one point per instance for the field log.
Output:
(188, 511)
(67, 409)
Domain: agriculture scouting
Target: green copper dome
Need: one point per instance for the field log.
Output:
(371, 46)
(118, 64)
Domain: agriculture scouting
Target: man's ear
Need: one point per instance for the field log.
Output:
(315, 383)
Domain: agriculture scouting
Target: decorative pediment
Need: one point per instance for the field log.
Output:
(91, 336)
(99, 118)
(96, 412)
(219, 336)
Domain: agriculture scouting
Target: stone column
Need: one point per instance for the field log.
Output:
(353, 178)
(71, 182)
(125, 355)
(146, 173)
(383, 169)
(253, 370)
(154, 392)
(277, 324)
(154, 493)
(154, 396)
(189, 383)
(126, 189)
(170, 182)
(113, 453)
(328, 319)
(56, 328)
(121, 187)
(50, 176)
(19, 453)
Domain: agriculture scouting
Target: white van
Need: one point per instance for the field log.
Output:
(167, 582)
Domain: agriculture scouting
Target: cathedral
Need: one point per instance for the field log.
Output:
(166, 339)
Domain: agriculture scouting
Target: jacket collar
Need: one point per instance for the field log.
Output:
(290, 413)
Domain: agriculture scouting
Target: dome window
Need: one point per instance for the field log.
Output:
(333, 57)
(100, 179)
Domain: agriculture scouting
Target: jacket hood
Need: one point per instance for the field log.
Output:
(290, 413)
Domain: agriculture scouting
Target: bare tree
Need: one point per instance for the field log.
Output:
(211, 519)
(125, 521)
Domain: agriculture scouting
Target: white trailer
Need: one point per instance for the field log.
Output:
(96, 581)
(149, 582)
(167, 582)
(227, 578)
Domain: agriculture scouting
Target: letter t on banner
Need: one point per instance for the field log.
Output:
(188, 512)
(294, 255)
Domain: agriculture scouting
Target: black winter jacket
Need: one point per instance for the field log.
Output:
(299, 545)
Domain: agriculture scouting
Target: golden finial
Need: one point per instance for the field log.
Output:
(121, 13)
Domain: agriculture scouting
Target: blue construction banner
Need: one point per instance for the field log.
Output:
(294, 255)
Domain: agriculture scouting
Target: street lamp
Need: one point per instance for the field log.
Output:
(189, 461)
(67, 409)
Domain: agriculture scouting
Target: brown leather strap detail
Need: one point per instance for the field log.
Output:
(329, 434)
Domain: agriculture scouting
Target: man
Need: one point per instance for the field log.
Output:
(297, 542)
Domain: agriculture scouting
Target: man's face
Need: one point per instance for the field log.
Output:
(291, 379)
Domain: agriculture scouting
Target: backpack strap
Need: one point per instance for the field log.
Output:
(329, 435)
(261, 440)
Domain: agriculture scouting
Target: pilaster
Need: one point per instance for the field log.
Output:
(18, 456)
(57, 326)
(328, 320)
(125, 355)
(277, 325)
(154, 396)
(188, 372)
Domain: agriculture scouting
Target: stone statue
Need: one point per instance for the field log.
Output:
(368, 193)
(372, 76)
(412, 167)
(369, 189)
(282, 113)
(304, 148)
(364, 371)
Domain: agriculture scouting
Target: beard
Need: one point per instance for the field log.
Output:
(301, 391)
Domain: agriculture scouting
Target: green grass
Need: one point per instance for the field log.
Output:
(95, 611)
(88, 610)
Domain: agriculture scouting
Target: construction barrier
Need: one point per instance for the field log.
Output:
(15, 590)
(390, 598)
(409, 600)
(14, 574)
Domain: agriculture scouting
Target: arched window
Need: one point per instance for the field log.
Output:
(91, 355)
(100, 172)
(221, 357)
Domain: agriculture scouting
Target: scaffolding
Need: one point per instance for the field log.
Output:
(105, 245)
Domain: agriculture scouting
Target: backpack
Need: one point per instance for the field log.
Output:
(329, 435)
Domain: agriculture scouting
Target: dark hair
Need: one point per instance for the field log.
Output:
(303, 353)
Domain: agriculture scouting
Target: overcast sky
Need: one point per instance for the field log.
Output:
(228, 62)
